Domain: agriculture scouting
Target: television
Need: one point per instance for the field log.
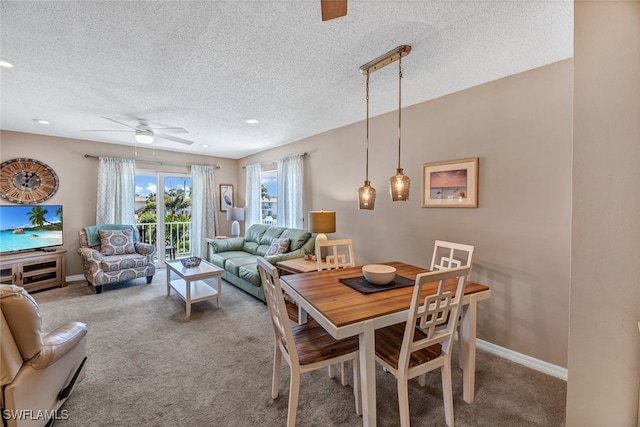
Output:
(30, 227)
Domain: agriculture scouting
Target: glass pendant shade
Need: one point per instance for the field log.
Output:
(366, 196)
(399, 187)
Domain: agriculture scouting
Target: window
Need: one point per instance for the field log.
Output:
(269, 195)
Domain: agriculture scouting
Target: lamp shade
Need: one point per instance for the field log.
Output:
(235, 214)
(322, 221)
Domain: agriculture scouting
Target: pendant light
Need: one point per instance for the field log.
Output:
(399, 183)
(367, 194)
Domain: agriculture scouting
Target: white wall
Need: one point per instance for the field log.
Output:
(604, 345)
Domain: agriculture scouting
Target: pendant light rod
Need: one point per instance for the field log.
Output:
(399, 107)
(386, 59)
(367, 165)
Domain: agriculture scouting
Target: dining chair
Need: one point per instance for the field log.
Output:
(339, 254)
(423, 343)
(305, 347)
(450, 255)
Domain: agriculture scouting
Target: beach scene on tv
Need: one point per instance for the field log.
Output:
(30, 227)
(450, 184)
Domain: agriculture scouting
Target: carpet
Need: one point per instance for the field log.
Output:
(148, 365)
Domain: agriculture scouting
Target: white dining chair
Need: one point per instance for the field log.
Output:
(339, 254)
(448, 255)
(304, 347)
(424, 342)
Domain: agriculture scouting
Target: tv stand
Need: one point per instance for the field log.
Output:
(35, 270)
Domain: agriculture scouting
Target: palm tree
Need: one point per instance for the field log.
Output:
(264, 193)
(36, 216)
(177, 203)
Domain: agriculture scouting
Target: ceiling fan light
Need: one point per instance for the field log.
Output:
(144, 137)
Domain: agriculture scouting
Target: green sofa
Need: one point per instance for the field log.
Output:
(237, 255)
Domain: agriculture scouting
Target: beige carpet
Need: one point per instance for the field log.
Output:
(149, 366)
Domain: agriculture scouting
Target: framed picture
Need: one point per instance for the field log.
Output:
(452, 184)
(226, 197)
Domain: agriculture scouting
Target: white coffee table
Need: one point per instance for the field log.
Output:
(190, 286)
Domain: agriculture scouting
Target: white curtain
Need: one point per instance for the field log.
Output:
(116, 191)
(290, 191)
(204, 212)
(253, 208)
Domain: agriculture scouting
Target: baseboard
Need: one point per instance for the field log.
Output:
(523, 359)
(74, 278)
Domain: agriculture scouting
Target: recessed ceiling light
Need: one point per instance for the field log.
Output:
(204, 146)
(252, 121)
(42, 122)
(5, 64)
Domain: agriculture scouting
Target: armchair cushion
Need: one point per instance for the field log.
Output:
(116, 242)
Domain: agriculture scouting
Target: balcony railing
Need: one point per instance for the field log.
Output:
(177, 234)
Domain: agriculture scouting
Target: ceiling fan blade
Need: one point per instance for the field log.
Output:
(171, 130)
(120, 123)
(333, 9)
(173, 138)
(106, 130)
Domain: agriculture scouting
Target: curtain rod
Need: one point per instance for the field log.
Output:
(305, 154)
(153, 162)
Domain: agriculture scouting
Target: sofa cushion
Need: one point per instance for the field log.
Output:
(121, 262)
(254, 233)
(116, 242)
(221, 258)
(233, 265)
(251, 247)
(271, 234)
(296, 236)
(250, 273)
(279, 246)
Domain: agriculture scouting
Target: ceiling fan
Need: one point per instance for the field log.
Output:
(333, 9)
(146, 134)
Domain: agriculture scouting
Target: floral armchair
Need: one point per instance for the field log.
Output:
(111, 253)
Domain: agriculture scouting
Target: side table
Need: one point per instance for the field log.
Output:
(191, 286)
(297, 265)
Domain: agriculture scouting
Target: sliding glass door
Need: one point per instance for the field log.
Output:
(164, 224)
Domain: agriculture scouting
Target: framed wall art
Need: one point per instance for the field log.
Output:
(226, 197)
(452, 184)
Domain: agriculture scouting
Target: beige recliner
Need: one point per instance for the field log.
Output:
(37, 372)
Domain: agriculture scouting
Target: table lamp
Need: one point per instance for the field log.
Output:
(235, 215)
(322, 222)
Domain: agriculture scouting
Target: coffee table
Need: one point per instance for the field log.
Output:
(190, 286)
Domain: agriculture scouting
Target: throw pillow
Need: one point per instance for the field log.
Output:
(116, 242)
(278, 246)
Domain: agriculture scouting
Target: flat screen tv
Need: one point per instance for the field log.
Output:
(30, 227)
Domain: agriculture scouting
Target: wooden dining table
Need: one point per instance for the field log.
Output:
(345, 312)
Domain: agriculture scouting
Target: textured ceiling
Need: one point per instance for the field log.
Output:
(209, 65)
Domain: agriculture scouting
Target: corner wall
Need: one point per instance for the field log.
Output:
(604, 344)
(521, 128)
